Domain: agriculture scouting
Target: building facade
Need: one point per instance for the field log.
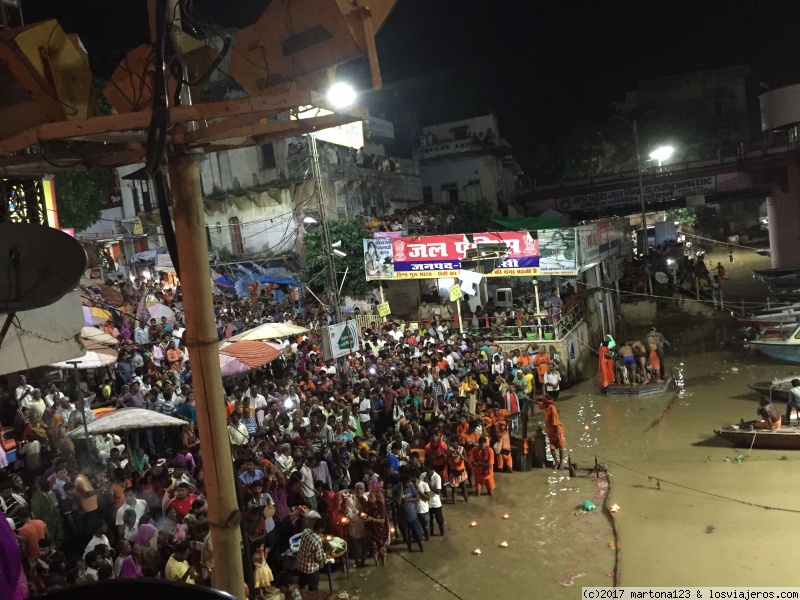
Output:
(467, 162)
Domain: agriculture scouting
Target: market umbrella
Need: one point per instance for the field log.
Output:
(239, 357)
(161, 310)
(127, 419)
(100, 357)
(269, 331)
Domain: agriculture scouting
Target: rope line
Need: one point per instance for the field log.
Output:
(431, 577)
(660, 480)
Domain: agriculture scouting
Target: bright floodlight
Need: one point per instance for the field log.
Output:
(662, 153)
(341, 95)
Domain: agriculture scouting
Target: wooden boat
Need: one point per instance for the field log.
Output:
(777, 389)
(786, 349)
(645, 389)
(779, 277)
(785, 438)
(771, 321)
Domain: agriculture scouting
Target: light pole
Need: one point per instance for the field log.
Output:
(662, 153)
(330, 273)
(633, 126)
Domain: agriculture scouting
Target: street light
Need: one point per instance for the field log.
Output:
(662, 153)
(341, 95)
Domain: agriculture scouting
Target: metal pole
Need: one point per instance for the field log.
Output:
(201, 339)
(79, 396)
(538, 318)
(641, 190)
(330, 273)
(380, 289)
(460, 320)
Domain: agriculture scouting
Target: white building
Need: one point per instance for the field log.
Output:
(467, 161)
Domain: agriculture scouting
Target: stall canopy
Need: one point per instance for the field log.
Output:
(127, 419)
(527, 223)
(269, 331)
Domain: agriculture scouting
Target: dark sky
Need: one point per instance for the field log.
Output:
(531, 61)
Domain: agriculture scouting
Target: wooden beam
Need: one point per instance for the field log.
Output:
(258, 107)
(283, 129)
(194, 136)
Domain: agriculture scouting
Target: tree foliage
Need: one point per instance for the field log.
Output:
(474, 217)
(351, 233)
(80, 196)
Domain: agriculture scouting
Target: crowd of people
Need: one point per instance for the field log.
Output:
(632, 363)
(327, 456)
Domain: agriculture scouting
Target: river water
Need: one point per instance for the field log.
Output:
(676, 485)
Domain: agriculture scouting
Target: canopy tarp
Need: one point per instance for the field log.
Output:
(127, 419)
(269, 331)
(527, 223)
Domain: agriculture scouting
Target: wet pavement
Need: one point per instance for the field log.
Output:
(690, 505)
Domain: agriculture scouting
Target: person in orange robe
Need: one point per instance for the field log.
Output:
(482, 458)
(436, 450)
(457, 470)
(554, 429)
(605, 366)
(504, 439)
(542, 363)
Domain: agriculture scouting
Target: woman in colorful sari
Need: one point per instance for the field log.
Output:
(145, 545)
(605, 366)
(64, 446)
(377, 524)
(13, 583)
(44, 505)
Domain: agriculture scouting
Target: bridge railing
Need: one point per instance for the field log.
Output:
(664, 170)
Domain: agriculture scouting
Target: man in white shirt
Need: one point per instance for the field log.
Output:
(364, 407)
(307, 485)
(434, 482)
(395, 333)
(23, 390)
(131, 503)
(53, 396)
(423, 507)
(141, 335)
(552, 383)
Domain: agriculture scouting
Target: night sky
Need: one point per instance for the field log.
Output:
(533, 63)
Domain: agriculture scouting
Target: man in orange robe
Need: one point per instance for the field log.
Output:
(482, 458)
(605, 366)
(542, 363)
(554, 429)
(504, 439)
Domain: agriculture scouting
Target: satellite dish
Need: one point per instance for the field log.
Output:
(661, 277)
(38, 265)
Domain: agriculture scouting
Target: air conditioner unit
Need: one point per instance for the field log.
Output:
(504, 297)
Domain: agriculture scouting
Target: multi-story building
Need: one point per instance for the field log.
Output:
(467, 161)
(256, 198)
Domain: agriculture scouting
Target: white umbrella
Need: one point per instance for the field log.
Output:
(127, 419)
(93, 359)
(269, 331)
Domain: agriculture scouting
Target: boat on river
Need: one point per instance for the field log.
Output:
(644, 389)
(779, 277)
(777, 389)
(785, 349)
(772, 321)
(785, 438)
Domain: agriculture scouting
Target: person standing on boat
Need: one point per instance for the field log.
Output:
(794, 402)
(769, 414)
(654, 337)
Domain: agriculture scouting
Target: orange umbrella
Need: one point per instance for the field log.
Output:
(238, 357)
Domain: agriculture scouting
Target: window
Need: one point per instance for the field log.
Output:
(268, 156)
(219, 228)
(137, 204)
(473, 190)
(427, 194)
(148, 206)
(237, 243)
(449, 193)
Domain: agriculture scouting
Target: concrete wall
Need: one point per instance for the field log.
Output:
(639, 313)
(487, 169)
(443, 131)
(267, 228)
